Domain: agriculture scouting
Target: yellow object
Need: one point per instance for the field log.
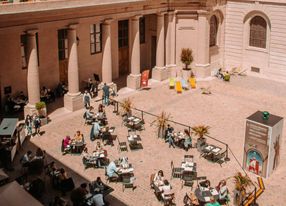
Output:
(192, 81)
(171, 83)
(179, 87)
(258, 192)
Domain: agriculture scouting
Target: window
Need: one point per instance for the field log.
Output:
(24, 43)
(257, 34)
(142, 30)
(213, 31)
(23, 51)
(63, 44)
(123, 33)
(95, 38)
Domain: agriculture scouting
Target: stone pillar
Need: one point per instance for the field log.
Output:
(33, 81)
(171, 43)
(203, 58)
(73, 99)
(160, 72)
(133, 79)
(106, 52)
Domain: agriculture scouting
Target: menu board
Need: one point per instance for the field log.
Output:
(256, 132)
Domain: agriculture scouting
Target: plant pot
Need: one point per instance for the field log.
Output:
(201, 141)
(186, 74)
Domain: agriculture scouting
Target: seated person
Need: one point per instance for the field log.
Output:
(194, 199)
(26, 159)
(44, 93)
(97, 199)
(58, 201)
(78, 195)
(67, 143)
(89, 114)
(205, 184)
(63, 175)
(159, 178)
(166, 189)
(95, 130)
(111, 170)
(226, 76)
(40, 154)
(222, 191)
(99, 148)
(188, 140)
(78, 137)
(213, 202)
(101, 108)
(169, 130)
(98, 185)
(219, 74)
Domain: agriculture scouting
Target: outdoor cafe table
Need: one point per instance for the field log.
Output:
(77, 147)
(189, 166)
(134, 122)
(212, 149)
(104, 190)
(133, 140)
(204, 194)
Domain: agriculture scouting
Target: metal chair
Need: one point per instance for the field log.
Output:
(122, 146)
(176, 171)
(188, 158)
(127, 182)
(220, 158)
(168, 199)
(188, 179)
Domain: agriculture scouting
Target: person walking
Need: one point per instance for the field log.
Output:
(28, 124)
(106, 93)
(37, 124)
(86, 99)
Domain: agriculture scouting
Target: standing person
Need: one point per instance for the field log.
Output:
(91, 87)
(188, 140)
(86, 99)
(28, 124)
(37, 124)
(96, 87)
(105, 90)
(95, 130)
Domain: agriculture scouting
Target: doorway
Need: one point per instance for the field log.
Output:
(123, 47)
(153, 51)
(63, 55)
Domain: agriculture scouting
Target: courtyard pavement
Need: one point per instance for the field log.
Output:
(225, 111)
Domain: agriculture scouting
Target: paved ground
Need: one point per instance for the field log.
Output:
(224, 111)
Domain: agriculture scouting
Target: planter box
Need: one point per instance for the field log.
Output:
(186, 74)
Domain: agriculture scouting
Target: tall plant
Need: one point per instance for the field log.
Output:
(187, 57)
(161, 123)
(242, 182)
(201, 130)
(126, 106)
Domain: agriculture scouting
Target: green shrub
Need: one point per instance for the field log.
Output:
(40, 105)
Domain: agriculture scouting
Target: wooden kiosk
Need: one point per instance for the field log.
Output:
(263, 133)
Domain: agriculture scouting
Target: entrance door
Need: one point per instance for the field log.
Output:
(153, 51)
(63, 55)
(123, 47)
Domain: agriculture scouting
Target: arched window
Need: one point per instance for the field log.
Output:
(257, 34)
(213, 30)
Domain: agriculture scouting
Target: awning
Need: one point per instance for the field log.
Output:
(8, 126)
(12, 194)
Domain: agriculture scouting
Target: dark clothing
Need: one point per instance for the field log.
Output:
(105, 90)
(78, 196)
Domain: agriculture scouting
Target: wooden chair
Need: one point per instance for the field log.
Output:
(122, 146)
(179, 87)
(200, 179)
(171, 83)
(176, 171)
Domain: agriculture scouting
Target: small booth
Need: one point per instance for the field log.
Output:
(263, 133)
(9, 139)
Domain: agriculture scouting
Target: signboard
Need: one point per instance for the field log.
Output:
(144, 78)
(262, 143)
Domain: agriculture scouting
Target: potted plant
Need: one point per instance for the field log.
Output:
(161, 123)
(200, 131)
(126, 106)
(42, 112)
(187, 59)
(241, 183)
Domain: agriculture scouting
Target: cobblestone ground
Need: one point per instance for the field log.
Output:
(224, 111)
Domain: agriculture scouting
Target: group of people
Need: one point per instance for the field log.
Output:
(47, 95)
(163, 188)
(98, 157)
(34, 163)
(69, 143)
(32, 122)
(184, 141)
(223, 75)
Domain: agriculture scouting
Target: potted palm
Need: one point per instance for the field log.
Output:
(187, 59)
(200, 131)
(161, 123)
(126, 106)
(42, 112)
(241, 183)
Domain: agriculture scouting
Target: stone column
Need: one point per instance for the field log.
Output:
(160, 72)
(33, 81)
(106, 52)
(171, 43)
(203, 58)
(133, 79)
(73, 99)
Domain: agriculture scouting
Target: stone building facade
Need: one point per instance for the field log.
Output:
(45, 42)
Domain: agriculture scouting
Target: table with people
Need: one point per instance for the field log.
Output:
(75, 145)
(97, 158)
(134, 141)
(179, 139)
